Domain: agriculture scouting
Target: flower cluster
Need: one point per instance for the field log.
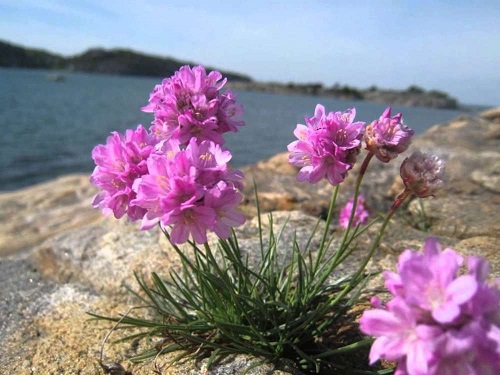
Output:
(192, 190)
(388, 136)
(189, 104)
(423, 174)
(118, 164)
(176, 174)
(360, 214)
(439, 321)
(327, 146)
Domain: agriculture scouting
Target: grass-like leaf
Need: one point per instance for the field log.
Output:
(279, 309)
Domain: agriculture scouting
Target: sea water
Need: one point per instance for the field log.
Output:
(48, 128)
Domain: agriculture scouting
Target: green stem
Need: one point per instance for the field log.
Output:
(355, 279)
(342, 248)
(397, 202)
(345, 349)
(361, 174)
(326, 230)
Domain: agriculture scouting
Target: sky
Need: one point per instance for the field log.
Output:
(452, 46)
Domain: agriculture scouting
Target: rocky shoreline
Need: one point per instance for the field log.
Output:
(59, 258)
(413, 96)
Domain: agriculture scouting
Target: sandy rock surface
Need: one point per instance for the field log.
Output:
(59, 258)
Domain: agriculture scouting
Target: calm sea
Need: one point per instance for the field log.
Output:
(49, 128)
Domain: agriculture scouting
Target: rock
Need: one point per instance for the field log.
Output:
(88, 268)
(74, 347)
(413, 96)
(67, 259)
(492, 114)
(102, 257)
(486, 247)
(33, 214)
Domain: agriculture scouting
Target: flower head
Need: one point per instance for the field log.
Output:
(400, 336)
(177, 175)
(360, 215)
(224, 199)
(423, 174)
(440, 321)
(189, 104)
(327, 146)
(388, 136)
(192, 190)
(118, 164)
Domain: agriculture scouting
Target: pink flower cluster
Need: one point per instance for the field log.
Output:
(388, 136)
(189, 104)
(439, 321)
(327, 146)
(192, 190)
(118, 164)
(360, 215)
(178, 177)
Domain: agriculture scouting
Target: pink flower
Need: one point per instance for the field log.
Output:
(360, 216)
(211, 163)
(191, 190)
(400, 336)
(423, 174)
(191, 219)
(178, 176)
(152, 188)
(431, 283)
(224, 200)
(388, 137)
(118, 164)
(327, 146)
(439, 321)
(229, 113)
(189, 104)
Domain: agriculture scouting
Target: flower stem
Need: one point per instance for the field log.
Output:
(332, 263)
(361, 174)
(356, 278)
(397, 202)
(325, 231)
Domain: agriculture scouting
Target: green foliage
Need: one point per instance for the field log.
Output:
(414, 89)
(97, 60)
(220, 305)
(14, 56)
(419, 219)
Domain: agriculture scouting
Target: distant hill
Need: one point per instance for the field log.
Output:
(20, 57)
(413, 96)
(98, 60)
(128, 62)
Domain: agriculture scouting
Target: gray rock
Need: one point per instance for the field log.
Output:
(33, 214)
(68, 259)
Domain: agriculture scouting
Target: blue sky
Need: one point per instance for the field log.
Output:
(452, 46)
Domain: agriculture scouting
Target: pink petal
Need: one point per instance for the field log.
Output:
(462, 289)
(431, 248)
(417, 359)
(379, 322)
(377, 350)
(446, 313)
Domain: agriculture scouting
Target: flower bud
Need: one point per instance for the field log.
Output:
(423, 174)
(388, 136)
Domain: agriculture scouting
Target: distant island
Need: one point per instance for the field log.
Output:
(97, 60)
(128, 62)
(413, 96)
